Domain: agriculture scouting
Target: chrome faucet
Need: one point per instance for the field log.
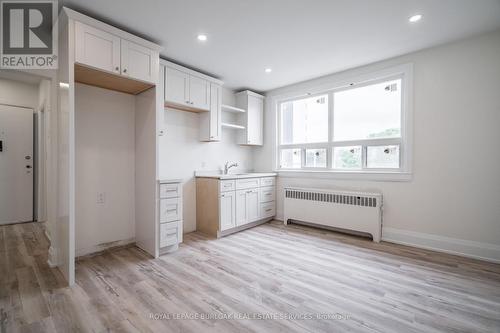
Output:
(228, 166)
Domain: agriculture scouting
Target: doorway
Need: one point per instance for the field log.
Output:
(16, 164)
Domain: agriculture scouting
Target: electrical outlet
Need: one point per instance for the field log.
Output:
(101, 197)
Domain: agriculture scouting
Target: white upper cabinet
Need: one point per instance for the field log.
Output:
(138, 61)
(210, 122)
(253, 118)
(107, 52)
(97, 48)
(191, 91)
(186, 90)
(176, 86)
(199, 93)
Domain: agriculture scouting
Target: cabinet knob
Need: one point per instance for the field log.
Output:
(117, 68)
(124, 70)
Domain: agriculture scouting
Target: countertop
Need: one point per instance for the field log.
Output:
(169, 181)
(235, 175)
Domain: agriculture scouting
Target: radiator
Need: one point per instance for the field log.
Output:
(349, 211)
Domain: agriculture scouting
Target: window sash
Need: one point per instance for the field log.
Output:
(399, 141)
(329, 154)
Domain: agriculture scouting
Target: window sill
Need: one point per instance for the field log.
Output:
(348, 175)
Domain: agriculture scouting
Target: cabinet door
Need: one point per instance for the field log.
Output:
(96, 48)
(255, 120)
(139, 62)
(199, 93)
(176, 87)
(241, 207)
(227, 210)
(210, 122)
(253, 205)
(215, 112)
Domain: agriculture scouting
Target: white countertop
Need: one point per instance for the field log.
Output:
(235, 175)
(169, 181)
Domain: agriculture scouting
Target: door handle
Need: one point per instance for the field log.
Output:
(29, 167)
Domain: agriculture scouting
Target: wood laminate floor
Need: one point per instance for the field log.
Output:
(265, 275)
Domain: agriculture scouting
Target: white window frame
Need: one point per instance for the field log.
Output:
(403, 72)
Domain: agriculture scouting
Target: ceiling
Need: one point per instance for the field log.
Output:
(298, 39)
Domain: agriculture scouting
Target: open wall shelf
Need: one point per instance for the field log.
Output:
(233, 109)
(233, 126)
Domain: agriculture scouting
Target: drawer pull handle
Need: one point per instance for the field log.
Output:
(172, 190)
(172, 210)
(269, 209)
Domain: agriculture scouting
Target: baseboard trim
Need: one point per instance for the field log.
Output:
(93, 250)
(52, 257)
(243, 227)
(46, 232)
(461, 247)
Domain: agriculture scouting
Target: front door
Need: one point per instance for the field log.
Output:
(16, 164)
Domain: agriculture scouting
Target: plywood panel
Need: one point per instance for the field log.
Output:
(110, 81)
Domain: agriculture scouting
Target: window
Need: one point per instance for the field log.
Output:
(355, 128)
(305, 120)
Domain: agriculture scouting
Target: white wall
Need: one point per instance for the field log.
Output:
(182, 153)
(105, 150)
(453, 201)
(18, 93)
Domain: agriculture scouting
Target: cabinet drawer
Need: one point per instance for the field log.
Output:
(170, 190)
(267, 194)
(170, 210)
(168, 234)
(245, 183)
(267, 181)
(227, 185)
(267, 209)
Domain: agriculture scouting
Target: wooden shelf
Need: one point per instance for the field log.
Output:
(180, 107)
(233, 109)
(233, 126)
(110, 81)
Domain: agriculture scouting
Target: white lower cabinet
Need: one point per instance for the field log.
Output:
(253, 205)
(227, 210)
(170, 215)
(267, 209)
(247, 206)
(224, 206)
(168, 234)
(241, 207)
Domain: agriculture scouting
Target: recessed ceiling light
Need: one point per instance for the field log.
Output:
(415, 18)
(268, 70)
(202, 37)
